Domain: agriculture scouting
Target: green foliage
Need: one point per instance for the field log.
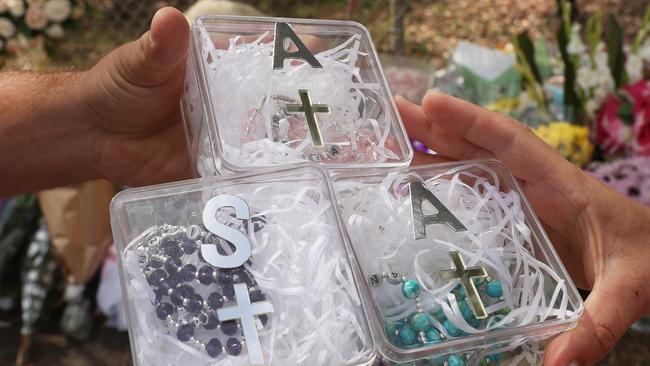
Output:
(564, 33)
(615, 51)
(565, 17)
(594, 32)
(643, 31)
(532, 78)
(527, 55)
(626, 111)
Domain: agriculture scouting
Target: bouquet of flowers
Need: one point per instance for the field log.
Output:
(30, 18)
(623, 123)
(603, 87)
(630, 176)
(607, 84)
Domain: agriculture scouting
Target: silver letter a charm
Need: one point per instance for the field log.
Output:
(282, 32)
(419, 195)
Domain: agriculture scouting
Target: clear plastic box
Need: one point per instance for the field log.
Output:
(174, 241)
(244, 109)
(420, 303)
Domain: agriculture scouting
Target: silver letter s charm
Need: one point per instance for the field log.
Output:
(235, 237)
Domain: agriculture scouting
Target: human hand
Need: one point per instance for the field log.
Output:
(602, 236)
(132, 98)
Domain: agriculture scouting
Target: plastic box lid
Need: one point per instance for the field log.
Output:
(317, 94)
(424, 236)
(177, 242)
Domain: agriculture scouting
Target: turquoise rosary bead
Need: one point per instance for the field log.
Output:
(494, 289)
(436, 361)
(411, 289)
(495, 358)
(465, 310)
(420, 321)
(433, 335)
(392, 331)
(455, 360)
(468, 314)
(407, 335)
(440, 315)
(451, 329)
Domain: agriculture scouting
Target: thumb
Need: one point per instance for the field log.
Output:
(153, 58)
(610, 309)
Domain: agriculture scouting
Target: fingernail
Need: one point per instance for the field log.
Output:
(398, 97)
(573, 363)
(152, 37)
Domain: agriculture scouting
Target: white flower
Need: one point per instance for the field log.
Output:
(601, 58)
(16, 7)
(625, 133)
(592, 107)
(55, 31)
(35, 18)
(57, 10)
(587, 78)
(7, 28)
(634, 67)
(644, 51)
(575, 46)
(3, 6)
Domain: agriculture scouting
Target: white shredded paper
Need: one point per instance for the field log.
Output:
(246, 93)
(379, 222)
(299, 262)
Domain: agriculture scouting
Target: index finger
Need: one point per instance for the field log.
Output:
(526, 155)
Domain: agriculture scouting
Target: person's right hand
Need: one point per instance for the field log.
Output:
(602, 236)
(132, 99)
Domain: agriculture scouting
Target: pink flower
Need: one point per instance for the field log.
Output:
(35, 18)
(640, 94)
(612, 134)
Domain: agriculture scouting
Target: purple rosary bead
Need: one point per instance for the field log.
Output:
(233, 347)
(229, 291)
(188, 272)
(215, 300)
(225, 278)
(171, 248)
(258, 222)
(172, 265)
(173, 279)
(164, 287)
(257, 295)
(212, 323)
(213, 348)
(185, 332)
(229, 327)
(176, 299)
(164, 310)
(189, 246)
(156, 277)
(181, 293)
(205, 275)
(243, 276)
(263, 318)
(195, 304)
(155, 263)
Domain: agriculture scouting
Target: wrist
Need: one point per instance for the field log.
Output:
(44, 132)
(83, 123)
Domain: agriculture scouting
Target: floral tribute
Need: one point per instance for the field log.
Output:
(33, 18)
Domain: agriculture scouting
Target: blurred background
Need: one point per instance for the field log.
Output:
(575, 71)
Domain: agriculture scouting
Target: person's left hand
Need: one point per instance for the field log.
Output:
(601, 235)
(132, 99)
